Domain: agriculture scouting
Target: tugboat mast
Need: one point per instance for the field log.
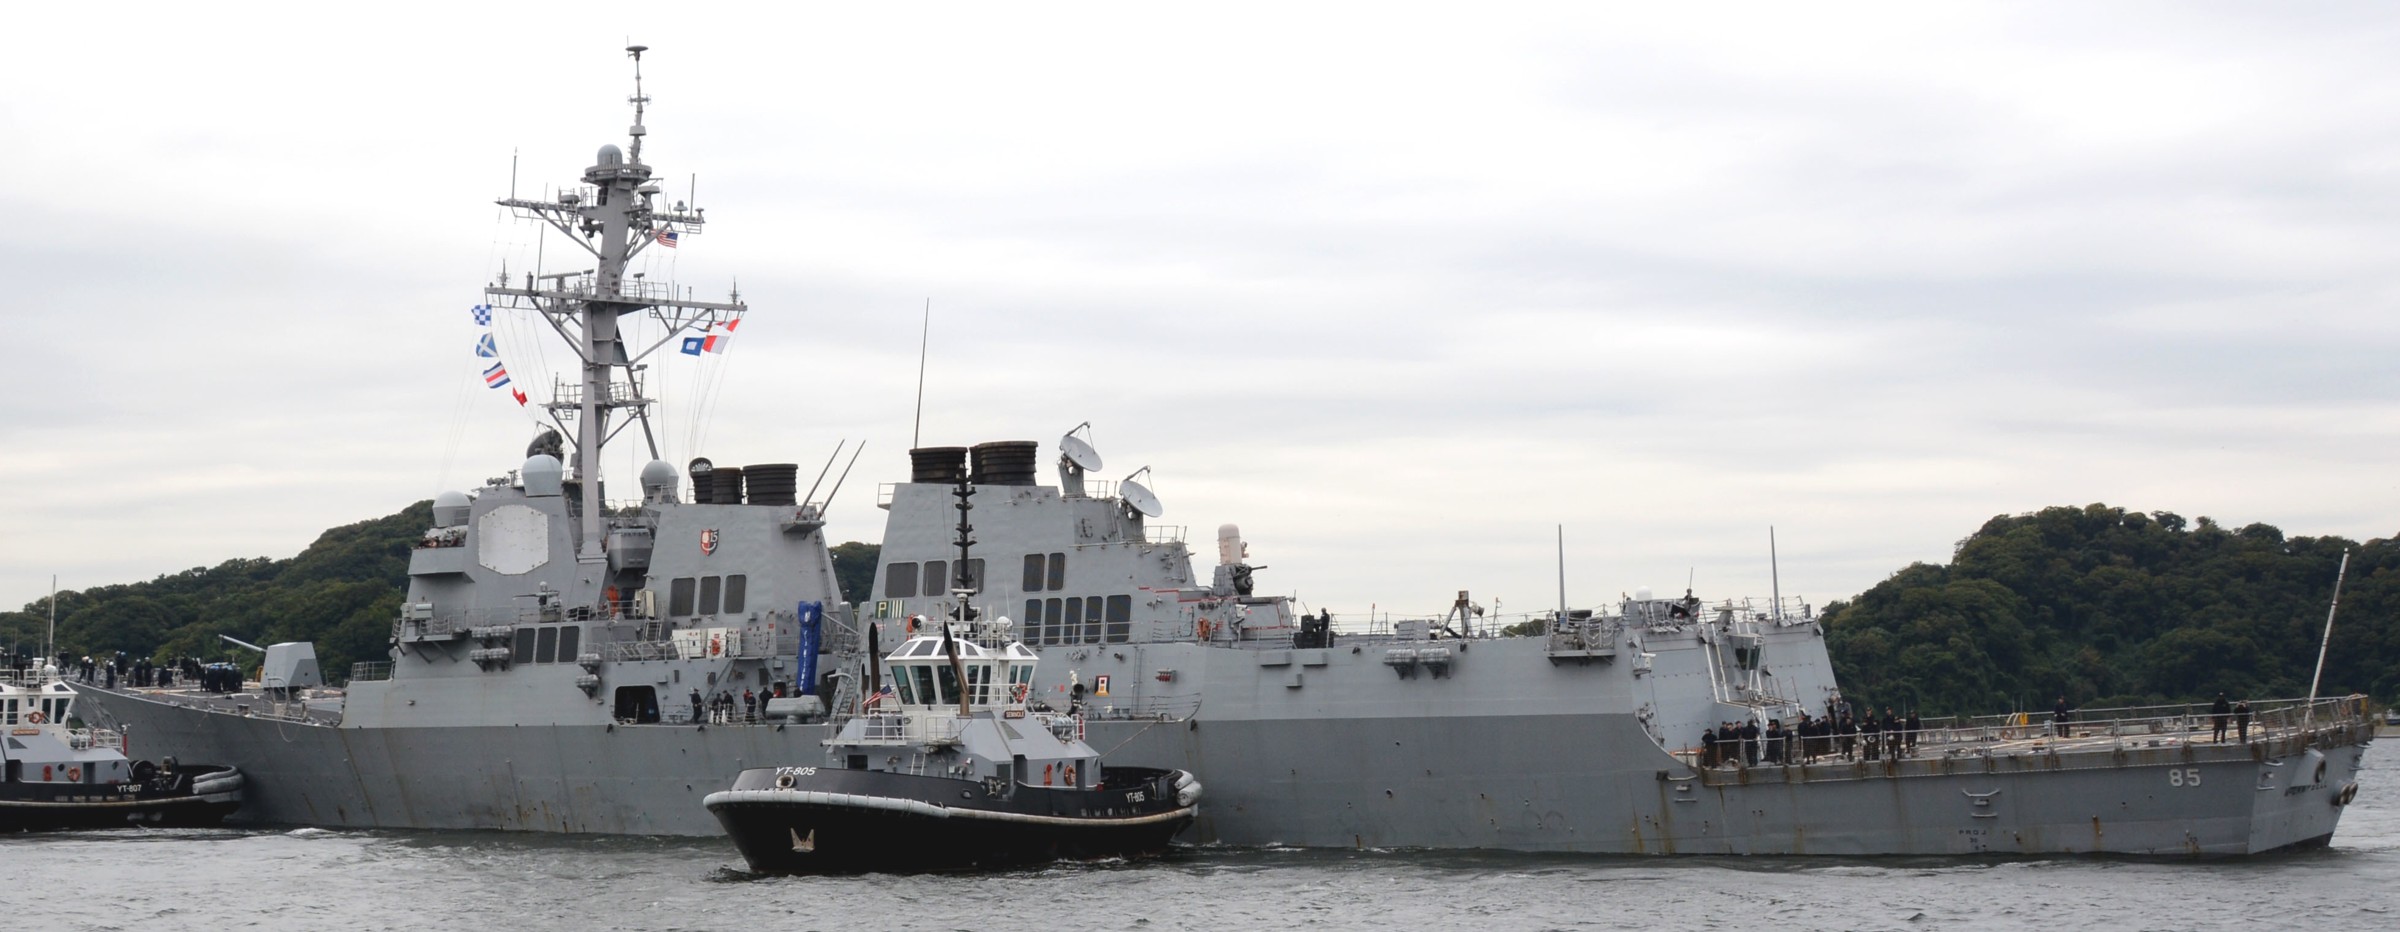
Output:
(612, 217)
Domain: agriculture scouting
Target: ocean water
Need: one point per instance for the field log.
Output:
(328, 881)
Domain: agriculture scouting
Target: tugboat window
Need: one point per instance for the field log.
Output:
(545, 648)
(908, 689)
(524, 653)
(979, 684)
(1035, 566)
(924, 675)
(710, 587)
(679, 596)
(948, 681)
(1058, 571)
(900, 581)
(1120, 619)
(570, 637)
(1074, 621)
(737, 593)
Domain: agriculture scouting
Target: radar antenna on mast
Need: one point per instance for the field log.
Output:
(638, 100)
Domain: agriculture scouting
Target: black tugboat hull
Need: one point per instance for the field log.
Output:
(852, 821)
(34, 807)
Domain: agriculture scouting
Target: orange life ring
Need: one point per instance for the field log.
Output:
(1023, 691)
(1067, 776)
(34, 718)
(74, 775)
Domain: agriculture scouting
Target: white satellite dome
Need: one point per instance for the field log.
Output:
(542, 475)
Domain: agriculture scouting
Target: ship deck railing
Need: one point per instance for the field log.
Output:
(1161, 709)
(2281, 725)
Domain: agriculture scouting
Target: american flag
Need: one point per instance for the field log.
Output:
(666, 237)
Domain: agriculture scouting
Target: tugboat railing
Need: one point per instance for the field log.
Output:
(898, 729)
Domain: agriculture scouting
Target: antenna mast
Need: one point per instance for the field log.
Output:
(1774, 575)
(2309, 717)
(613, 217)
(916, 435)
(1562, 573)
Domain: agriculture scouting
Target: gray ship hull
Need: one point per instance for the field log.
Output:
(1560, 781)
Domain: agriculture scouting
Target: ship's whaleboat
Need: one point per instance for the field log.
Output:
(59, 777)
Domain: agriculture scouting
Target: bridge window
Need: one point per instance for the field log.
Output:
(737, 593)
(679, 596)
(1031, 621)
(1120, 619)
(1050, 622)
(937, 582)
(545, 648)
(710, 588)
(1058, 572)
(524, 653)
(570, 638)
(1074, 621)
(1036, 568)
(900, 581)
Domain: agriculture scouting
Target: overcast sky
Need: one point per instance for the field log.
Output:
(1398, 289)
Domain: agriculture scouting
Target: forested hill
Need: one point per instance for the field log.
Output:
(2107, 606)
(343, 592)
(2098, 604)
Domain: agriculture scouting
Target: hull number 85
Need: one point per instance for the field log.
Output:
(2188, 776)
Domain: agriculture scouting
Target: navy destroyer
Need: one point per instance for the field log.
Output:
(540, 667)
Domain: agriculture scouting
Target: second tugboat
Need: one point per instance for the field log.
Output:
(59, 777)
(951, 768)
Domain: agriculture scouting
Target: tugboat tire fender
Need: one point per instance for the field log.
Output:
(2349, 792)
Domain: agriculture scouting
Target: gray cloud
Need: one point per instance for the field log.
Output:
(1398, 292)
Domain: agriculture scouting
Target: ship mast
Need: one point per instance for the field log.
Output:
(613, 218)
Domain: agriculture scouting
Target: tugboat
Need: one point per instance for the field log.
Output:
(951, 767)
(57, 777)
